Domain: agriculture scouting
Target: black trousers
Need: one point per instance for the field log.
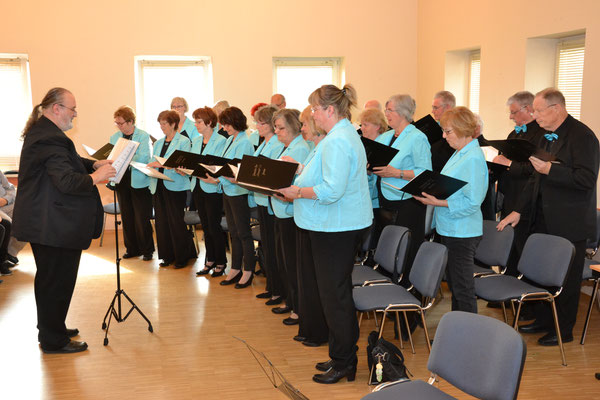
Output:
(237, 213)
(409, 213)
(272, 263)
(210, 209)
(285, 232)
(5, 227)
(136, 212)
(459, 271)
(521, 235)
(333, 254)
(175, 242)
(53, 286)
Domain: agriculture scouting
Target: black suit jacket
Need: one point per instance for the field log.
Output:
(568, 192)
(57, 203)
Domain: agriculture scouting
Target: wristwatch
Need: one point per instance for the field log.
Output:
(401, 174)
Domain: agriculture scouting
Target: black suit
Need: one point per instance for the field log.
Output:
(57, 210)
(563, 203)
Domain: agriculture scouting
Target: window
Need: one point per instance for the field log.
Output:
(296, 78)
(15, 107)
(160, 78)
(474, 79)
(569, 72)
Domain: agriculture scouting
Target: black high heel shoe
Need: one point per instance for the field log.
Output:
(231, 281)
(244, 285)
(206, 270)
(333, 376)
(219, 271)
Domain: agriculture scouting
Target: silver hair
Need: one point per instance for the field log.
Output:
(448, 98)
(523, 98)
(404, 105)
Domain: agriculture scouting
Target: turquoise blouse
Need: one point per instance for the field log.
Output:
(214, 147)
(180, 183)
(271, 149)
(142, 154)
(190, 128)
(236, 148)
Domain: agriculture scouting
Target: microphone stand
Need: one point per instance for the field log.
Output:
(117, 311)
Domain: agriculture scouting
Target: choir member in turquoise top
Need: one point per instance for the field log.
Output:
(175, 243)
(185, 126)
(414, 156)
(270, 147)
(458, 220)
(135, 199)
(310, 132)
(235, 201)
(287, 127)
(332, 204)
(206, 194)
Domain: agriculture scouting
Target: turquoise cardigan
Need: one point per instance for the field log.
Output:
(236, 148)
(180, 183)
(271, 149)
(214, 147)
(138, 179)
(190, 128)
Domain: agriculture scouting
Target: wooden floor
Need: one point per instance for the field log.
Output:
(192, 353)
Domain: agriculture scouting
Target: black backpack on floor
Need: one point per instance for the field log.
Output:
(380, 351)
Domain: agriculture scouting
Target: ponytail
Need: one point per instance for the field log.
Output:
(54, 96)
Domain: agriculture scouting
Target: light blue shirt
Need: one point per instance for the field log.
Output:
(271, 149)
(180, 182)
(190, 128)
(311, 144)
(236, 148)
(372, 178)
(337, 172)
(462, 218)
(298, 149)
(254, 138)
(214, 147)
(414, 153)
(142, 154)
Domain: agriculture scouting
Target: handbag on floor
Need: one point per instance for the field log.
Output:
(386, 361)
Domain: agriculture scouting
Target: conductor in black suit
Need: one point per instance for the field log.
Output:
(57, 210)
(560, 199)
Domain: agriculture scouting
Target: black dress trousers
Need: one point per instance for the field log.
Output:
(272, 263)
(237, 213)
(210, 210)
(285, 233)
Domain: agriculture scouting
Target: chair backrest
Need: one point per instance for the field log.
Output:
(366, 243)
(494, 247)
(479, 355)
(428, 268)
(392, 248)
(428, 220)
(546, 259)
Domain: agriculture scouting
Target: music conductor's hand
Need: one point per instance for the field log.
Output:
(103, 173)
(511, 219)
(100, 163)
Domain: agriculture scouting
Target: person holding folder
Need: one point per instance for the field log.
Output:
(185, 126)
(332, 207)
(414, 156)
(207, 193)
(458, 220)
(174, 241)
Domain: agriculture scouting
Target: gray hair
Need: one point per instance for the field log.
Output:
(523, 98)
(448, 98)
(404, 105)
(552, 96)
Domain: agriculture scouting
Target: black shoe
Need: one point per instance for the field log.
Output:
(218, 271)
(129, 255)
(12, 259)
(72, 347)
(264, 295)
(291, 321)
(308, 343)
(299, 338)
(534, 327)
(165, 263)
(206, 270)
(4, 270)
(281, 310)
(274, 302)
(333, 376)
(72, 332)
(231, 281)
(324, 366)
(260, 272)
(550, 339)
(147, 257)
(244, 285)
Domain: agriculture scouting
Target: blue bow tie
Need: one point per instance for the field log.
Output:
(551, 137)
(521, 128)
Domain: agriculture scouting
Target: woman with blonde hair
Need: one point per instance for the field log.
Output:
(185, 126)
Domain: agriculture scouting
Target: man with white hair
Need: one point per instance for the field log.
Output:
(441, 150)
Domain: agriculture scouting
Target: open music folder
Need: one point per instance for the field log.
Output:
(121, 156)
(151, 172)
(378, 154)
(429, 126)
(265, 175)
(220, 166)
(433, 183)
(101, 154)
(520, 150)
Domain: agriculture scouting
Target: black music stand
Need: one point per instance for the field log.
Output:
(113, 311)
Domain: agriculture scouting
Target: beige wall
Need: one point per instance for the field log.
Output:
(90, 49)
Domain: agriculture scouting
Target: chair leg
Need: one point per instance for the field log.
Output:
(409, 333)
(382, 324)
(196, 239)
(360, 316)
(516, 323)
(375, 318)
(504, 312)
(103, 226)
(425, 329)
(558, 334)
(399, 331)
(589, 313)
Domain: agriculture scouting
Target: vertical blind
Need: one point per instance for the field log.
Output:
(569, 73)
(474, 78)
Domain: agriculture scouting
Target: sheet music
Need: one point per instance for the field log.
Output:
(151, 172)
(122, 154)
(489, 152)
(160, 159)
(88, 150)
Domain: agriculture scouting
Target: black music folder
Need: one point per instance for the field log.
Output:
(378, 154)
(101, 154)
(520, 150)
(429, 126)
(220, 166)
(189, 161)
(433, 183)
(265, 175)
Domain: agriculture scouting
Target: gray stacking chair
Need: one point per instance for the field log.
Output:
(389, 255)
(425, 277)
(112, 209)
(462, 355)
(494, 248)
(545, 261)
(591, 276)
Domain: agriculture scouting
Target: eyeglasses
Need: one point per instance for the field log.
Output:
(435, 108)
(176, 107)
(68, 108)
(448, 131)
(261, 123)
(390, 110)
(515, 112)
(120, 124)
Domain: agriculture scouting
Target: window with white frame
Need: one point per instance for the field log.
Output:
(15, 107)
(474, 79)
(297, 77)
(569, 72)
(160, 78)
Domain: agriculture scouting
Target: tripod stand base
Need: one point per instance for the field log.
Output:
(117, 314)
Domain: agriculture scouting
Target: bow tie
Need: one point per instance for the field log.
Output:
(521, 128)
(551, 137)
